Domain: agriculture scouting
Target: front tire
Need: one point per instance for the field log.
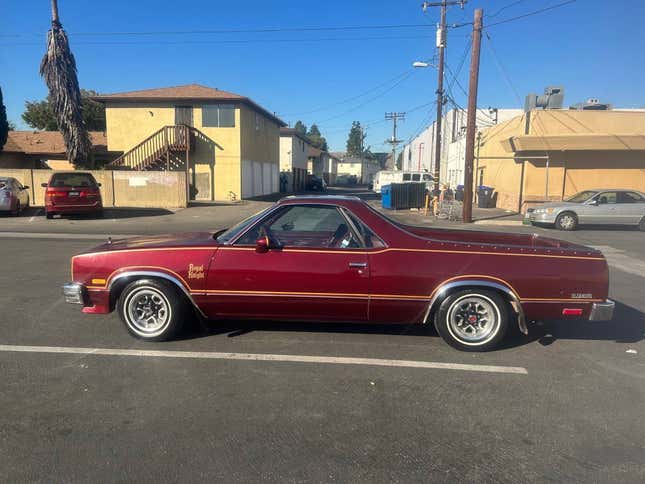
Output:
(16, 213)
(566, 221)
(472, 319)
(152, 310)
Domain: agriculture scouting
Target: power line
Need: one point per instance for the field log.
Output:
(545, 9)
(518, 17)
(500, 68)
(235, 31)
(512, 4)
(373, 98)
(349, 99)
(228, 41)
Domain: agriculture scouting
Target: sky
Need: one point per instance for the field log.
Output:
(331, 75)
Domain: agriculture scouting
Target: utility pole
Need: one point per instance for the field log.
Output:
(472, 116)
(394, 141)
(441, 45)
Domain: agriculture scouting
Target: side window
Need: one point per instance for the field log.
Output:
(371, 239)
(607, 197)
(416, 177)
(406, 177)
(630, 197)
(304, 226)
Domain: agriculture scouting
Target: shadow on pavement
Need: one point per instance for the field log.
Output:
(122, 213)
(628, 326)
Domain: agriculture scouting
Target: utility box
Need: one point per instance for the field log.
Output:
(397, 196)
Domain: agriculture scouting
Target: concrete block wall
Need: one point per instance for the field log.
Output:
(149, 189)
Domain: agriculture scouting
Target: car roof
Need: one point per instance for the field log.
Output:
(324, 199)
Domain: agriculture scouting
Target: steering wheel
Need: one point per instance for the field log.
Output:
(339, 235)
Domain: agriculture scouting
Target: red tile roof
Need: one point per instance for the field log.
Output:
(188, 92)
(46, 142)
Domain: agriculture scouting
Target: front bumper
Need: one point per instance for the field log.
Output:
(602, 311)
(74, 293)
(542, 217)
(6, 204)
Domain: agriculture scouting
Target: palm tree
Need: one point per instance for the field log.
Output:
(58, 68)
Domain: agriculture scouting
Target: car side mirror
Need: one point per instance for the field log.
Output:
(24, 187)
(98, 184)
(44, 185)
(262, 245)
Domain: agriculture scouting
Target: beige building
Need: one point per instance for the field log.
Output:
(547, 155)
(363, 170)
(323, 164)
(294, 154)
(228, 144)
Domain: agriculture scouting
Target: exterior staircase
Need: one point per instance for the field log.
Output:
(165, 149)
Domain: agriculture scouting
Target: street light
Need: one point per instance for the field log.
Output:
(422, 64)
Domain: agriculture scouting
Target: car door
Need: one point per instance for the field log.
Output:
(22, 193)
(315, 269)
(604, 211)
(630, 208)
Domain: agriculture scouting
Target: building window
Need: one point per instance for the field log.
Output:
(218, 116)
(259, 122)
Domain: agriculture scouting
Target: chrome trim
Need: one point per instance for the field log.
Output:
(602, 311)
(162, 275)
(358, 264)
(515, 302)
(74, 293)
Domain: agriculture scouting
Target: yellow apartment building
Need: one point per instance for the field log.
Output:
(228, 144)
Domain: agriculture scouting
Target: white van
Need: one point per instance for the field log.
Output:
(385, 177)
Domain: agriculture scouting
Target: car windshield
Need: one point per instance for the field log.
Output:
(581, 197)
(240, 227)
(72, 180)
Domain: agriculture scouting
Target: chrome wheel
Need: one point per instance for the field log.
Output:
(147, 311)
(473, 319)
(566, 221)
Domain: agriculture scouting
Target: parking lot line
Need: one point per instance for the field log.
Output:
(266, 357)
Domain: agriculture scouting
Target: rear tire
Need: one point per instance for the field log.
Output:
(49, 215)
(566, 221)
(152, 310)
(472, 319)
(16, 212)
(641, 226)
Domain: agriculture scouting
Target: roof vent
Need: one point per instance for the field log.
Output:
(592, 104)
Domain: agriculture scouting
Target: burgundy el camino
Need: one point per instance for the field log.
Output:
(333, 258)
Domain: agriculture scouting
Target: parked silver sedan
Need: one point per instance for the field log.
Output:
(601, 207)
(14, 197)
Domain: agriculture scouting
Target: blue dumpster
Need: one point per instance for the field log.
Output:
(386, 197)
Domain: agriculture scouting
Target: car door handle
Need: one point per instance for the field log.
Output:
(360, 265)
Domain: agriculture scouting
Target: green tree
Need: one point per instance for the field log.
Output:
(301, 127)
(4, 124)
(355, 140)
(317, 139)
(40, 114)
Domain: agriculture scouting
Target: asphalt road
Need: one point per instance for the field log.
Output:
(573, 414)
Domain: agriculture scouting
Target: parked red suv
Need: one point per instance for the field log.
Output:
(72, 192)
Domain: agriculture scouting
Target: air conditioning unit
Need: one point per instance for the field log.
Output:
(553, 98)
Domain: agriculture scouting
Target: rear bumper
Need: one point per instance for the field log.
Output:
(65, 208)
(602, 311)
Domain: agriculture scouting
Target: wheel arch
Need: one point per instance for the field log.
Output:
(121, 280)
(447, 288)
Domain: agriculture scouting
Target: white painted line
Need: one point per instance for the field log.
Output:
(50, 235)
(265, 357)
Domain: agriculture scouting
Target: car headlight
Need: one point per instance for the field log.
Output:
(544, 210)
